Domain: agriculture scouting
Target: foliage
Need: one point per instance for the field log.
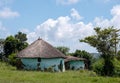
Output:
(12, 59)
(63, 49)
(118, 55)
(21, 45)
(86, 55)
(10, 45)
(98, 66)
(105, 42)
(21, 37)
(117, 67)
(14, 44)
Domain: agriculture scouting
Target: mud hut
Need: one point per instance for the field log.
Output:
(74, 63)
(40, 55)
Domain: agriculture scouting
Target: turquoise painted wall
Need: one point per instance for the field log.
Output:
(76, 65)
(54, 64)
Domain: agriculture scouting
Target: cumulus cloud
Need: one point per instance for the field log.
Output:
(62, 31)
(66, 32)
(75, 14)
(114, 21)
(67, 2)
(8, 13)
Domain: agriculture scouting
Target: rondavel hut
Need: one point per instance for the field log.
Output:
(40, 55)
(74, 63)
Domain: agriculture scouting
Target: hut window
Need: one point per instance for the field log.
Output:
(39, 59)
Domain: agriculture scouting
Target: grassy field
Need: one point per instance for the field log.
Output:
(9, 74)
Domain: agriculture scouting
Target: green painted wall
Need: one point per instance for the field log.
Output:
(76, 65)
(54, 64)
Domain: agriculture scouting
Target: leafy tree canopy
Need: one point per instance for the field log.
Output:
(10, 45)
(105, 41)
(21, 37)
(63, 49)
(13, 44)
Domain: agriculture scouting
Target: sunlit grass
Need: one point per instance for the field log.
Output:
(9, 74)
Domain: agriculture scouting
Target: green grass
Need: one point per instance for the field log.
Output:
(9, 74)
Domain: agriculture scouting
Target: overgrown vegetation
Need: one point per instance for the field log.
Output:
(105, 41)
(63, 49)
(11, 46)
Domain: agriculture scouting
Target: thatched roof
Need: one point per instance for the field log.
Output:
(40, 49)
(72, 58)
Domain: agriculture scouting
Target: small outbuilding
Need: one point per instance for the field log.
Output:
(40, 55)
(74, 63)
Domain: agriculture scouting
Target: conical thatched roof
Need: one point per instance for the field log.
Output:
(72, 58)
(40, 49)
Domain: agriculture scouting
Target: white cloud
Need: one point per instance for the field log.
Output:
(75, 14)
(101, 22)
(62, 31)
(114, 21)
(115, 10)
(8, 13)
(67, 2)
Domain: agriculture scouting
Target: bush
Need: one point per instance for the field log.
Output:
(98, 66)
(12, 59)
(117, 67)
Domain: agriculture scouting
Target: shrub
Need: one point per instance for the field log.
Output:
(98, 66)
(12, 59)
(117, 67)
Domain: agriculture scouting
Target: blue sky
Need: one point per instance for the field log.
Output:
(60, 22)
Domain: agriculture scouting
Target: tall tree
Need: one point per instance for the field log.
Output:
(22, 38)
(10, 45)
(105, 41)
(63, 49)
(13, 44)
(118, 55)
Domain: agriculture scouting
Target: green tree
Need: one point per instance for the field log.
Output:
(12, 59)
(13, 44)
(86, 55)
(118, 55)
(105, 41)
(10, 45)
(22, 38)
(63, 49)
